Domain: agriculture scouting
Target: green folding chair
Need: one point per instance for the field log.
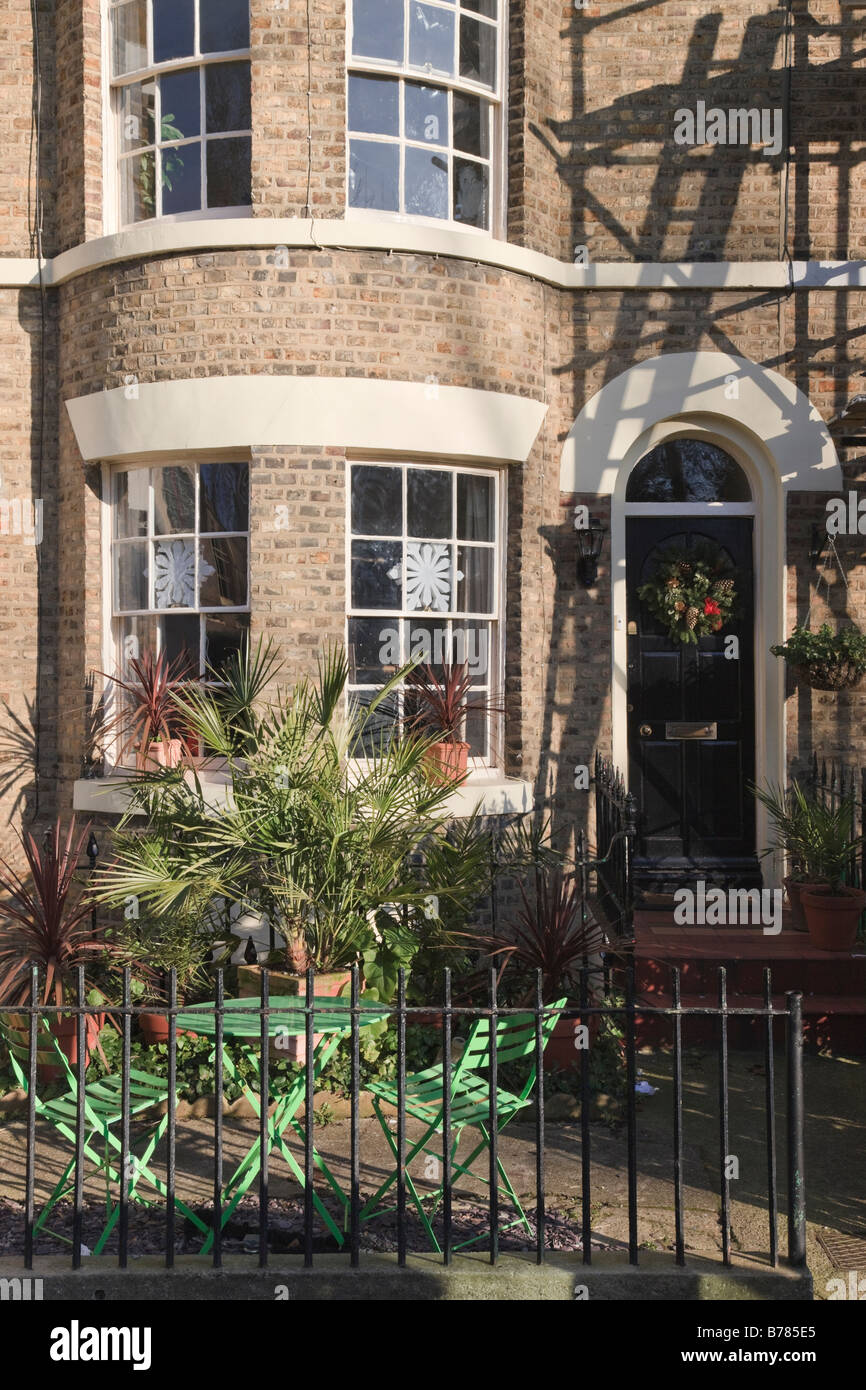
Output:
(470, 1110)
(103, 1112)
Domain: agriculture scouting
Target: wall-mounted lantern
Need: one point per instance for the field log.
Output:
(590, 539)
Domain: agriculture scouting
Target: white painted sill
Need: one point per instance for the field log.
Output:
(485, 793)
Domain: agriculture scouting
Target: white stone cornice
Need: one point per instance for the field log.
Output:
(151, 240)
(243, 412)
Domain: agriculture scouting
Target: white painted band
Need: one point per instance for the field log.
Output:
(240, 412)
(154, 239)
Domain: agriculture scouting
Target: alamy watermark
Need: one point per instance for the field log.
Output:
(21, 517)
(438, 646)
(704, 906)
(737, 126)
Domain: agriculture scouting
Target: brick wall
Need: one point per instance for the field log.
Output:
(17, 129)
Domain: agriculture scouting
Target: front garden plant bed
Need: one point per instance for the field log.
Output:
(286, 1230)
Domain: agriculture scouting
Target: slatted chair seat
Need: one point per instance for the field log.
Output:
(471, 1108)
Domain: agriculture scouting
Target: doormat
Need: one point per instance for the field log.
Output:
(845, 1252)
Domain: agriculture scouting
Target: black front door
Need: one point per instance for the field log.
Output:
(691, 719)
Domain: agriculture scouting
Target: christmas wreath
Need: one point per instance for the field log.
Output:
(691, 592)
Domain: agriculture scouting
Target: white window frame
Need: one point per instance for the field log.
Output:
(111, 654)
(112, 155)
(498, 162)
(483, 768)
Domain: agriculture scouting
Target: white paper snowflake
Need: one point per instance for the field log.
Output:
(174, 574)
(428, 576)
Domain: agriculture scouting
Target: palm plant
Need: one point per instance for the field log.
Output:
(819, 838)
(46, 921)
(320, 844)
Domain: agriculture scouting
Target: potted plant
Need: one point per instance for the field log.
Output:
(825, 660)
(792, 813)
(550, 935)
(833, 911)
(46, 920)
(148, 718)
(153, 947)
(437, 708)
(321, 841)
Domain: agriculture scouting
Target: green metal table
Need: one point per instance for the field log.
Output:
(241, 1023)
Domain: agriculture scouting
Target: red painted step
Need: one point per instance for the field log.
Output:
(828, 1021)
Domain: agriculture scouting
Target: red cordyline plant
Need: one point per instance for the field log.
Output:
(46, 920)
(440, 705)
(549, 935)
(148, 713)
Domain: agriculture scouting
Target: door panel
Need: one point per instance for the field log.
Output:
(698, 817)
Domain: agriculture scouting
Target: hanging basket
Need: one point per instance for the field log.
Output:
(829, 675)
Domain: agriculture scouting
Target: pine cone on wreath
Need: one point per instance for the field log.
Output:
(692, 615)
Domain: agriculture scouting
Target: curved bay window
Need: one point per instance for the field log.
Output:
(180, 80)
(179, 562)
(687, 470)
(424, 108)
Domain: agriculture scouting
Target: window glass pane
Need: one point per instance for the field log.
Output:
(426, 183)
(688, 470)
(128, 38)
(224, 25)
(181, 636)
(431, 38)
(131, 491)
(475, 734)
(181, 104)
(472, 125)
(429, 576)
(377, 501)
(173, 499)
(181, 178)
(374, 650)
(130, 575)
(429, 641)
(426, 114)
(137, 188)
(471, 193)
(173, 26)
(477, 51)
(227, 97)
(377, 29)
(174, 574)
(428, 502)
(475, 508)
(376, 574)
(136, 113)
(225, 634)
(224, 501)
(373, 175)
(374, 105)
(228, 172)
(485, 7)
(135, 636)
(222, 571)
(471, 644)
(475, 589)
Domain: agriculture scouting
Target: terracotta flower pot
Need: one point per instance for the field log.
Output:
(795, 889)
(564, 1049)
(65, 1030)
(154, 1029)
(163, 753)
(446, 762)
(832, 917)
(330, 983)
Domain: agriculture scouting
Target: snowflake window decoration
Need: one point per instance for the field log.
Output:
(174, 574)
(428, 577)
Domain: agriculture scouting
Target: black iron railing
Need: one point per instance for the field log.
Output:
(588, 1003)
(616, 818)
(833, 782)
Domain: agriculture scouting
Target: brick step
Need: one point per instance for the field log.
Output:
(837, 974)
(828, 1021)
